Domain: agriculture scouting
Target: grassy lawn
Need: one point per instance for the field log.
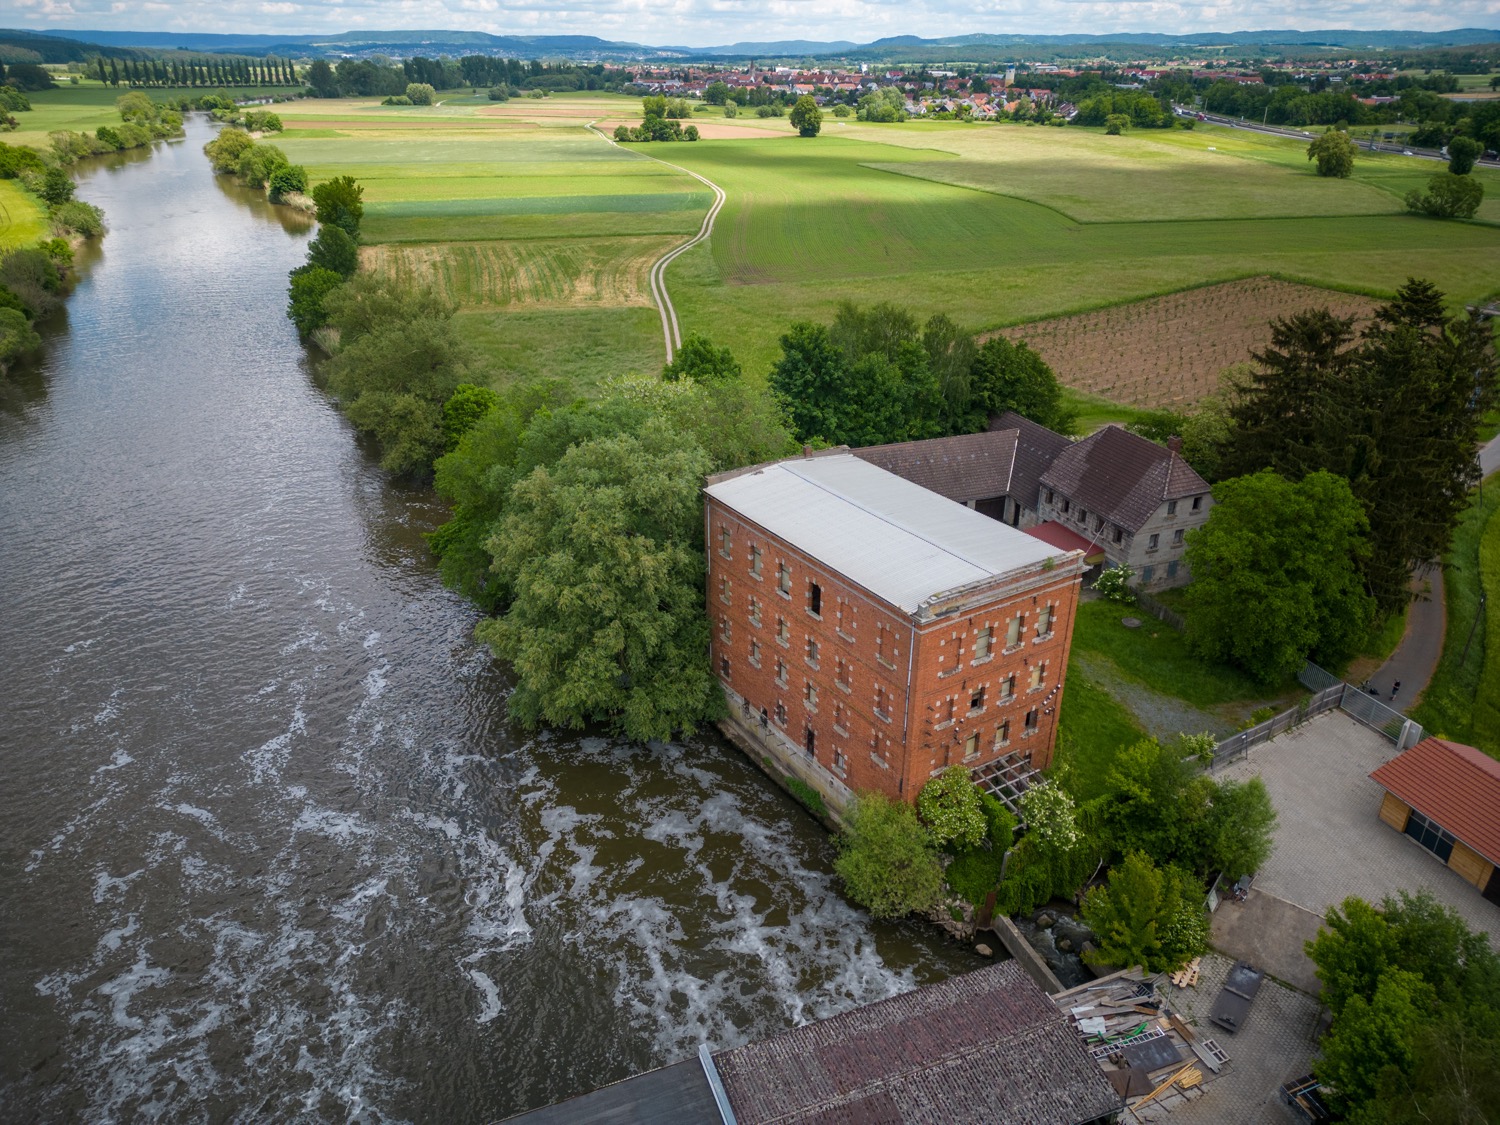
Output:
(22, 219)
(1460, 702)
(1156, 655)
(1092, 728)
(83, 108)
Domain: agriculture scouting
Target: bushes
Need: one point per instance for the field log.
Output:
(1146, 916)
(808, 797)
(1114, 585)
(77, 217)
(1447, 197)
(290, 179)
(258, 162)
(949, 805)
(33, 276)
(887, 860)
(17, 337)
(309, 288)
(333, 250)
(225, 150)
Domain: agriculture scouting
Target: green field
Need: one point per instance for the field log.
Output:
(518, 210)
(22, 219)
(83, 108)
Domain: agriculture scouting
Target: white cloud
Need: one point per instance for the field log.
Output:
(702, 22)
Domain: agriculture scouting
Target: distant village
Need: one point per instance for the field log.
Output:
(1019, 90)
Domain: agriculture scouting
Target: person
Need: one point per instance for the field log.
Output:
(1395, 687)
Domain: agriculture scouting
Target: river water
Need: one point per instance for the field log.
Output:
(269, 849)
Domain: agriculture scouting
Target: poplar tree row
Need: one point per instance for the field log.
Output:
(200, 72)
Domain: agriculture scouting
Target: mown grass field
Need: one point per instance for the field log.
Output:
(83, 108)
(22, 220)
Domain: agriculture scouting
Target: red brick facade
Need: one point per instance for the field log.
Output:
(879, 698)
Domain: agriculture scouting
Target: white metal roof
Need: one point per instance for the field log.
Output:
(894, 538)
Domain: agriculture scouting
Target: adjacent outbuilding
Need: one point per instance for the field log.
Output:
(1446, 797)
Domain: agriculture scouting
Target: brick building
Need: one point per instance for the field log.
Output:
(870, 632)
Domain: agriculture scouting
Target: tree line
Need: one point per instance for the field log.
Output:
(269, 71)
(380, 77)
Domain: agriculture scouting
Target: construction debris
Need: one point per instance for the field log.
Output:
(1147, 1051)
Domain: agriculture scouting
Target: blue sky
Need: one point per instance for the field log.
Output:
(707, 22)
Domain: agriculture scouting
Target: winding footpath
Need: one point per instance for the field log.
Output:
(671, 333)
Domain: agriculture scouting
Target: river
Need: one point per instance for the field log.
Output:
(269, 849)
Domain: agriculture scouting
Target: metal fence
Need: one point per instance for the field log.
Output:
(1328, 692)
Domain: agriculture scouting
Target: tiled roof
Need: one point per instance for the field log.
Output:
(986, 1046)
(898, 540)
(1122, 476)
(963, 468)
(1454, 785)
(1036, 448)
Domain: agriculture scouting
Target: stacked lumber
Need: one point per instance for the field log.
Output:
(1187, 976)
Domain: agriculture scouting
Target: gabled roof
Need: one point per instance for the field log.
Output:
(898, 540)
(963, 468)
(1454, 785)
(984, 1046)
(1036, 448)
(1122, 476)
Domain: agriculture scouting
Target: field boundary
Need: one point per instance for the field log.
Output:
(671, 332)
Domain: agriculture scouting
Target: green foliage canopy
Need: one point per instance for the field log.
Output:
(887, 860)
(806, 117)
(1144, 915)
(1448, 196)
(949, 806)
(1334, 153)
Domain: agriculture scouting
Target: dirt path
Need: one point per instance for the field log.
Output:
(671, 333)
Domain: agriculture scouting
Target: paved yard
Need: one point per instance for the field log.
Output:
(1276, 1045)
(1330, 842)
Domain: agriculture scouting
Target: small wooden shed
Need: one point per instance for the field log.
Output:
(1446, 797)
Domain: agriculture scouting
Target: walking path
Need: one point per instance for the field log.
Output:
(671, 333)
(1416, 657)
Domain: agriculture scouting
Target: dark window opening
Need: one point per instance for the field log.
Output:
(815, 601)
(811, 742)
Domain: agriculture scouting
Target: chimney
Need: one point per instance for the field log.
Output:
(1174, 444)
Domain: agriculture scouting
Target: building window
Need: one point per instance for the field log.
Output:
(755, 654)
(1098, 524)
(781, 671)
(1119, 535)
(1177, 538)
(976, 701)
(1153, 542)
(780, 713)
(784, 580)
(841, 673)
(840, 763)
(724, 666)
(1172, 569)
(950, 711)
(724, 631)
(755, 561)
(726, 543)
(1031, 720)
(1014, 630)
(840, 720)
(1039, 675)
(885, 646)
(982, 644)
(1171, 507)
(726, 594)
(1008, 688)
(1083, 515)
(783, 632)
(882, 703)
(1049, 496)
(815, 599)
(1146, 575)
(1044, 622)
(755, 612)
(971, 747)
(843, 622)
(812, 652)
(810, 742)
(1197, 503)
(1067, 506)
(1002, 734)
(1437, 840)
(810, 696)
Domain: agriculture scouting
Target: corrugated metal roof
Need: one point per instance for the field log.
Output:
(1450, 783)
(894, 538)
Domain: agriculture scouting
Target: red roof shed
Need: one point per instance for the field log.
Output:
(1455, 786)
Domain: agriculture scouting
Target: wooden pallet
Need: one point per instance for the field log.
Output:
(1187, 976)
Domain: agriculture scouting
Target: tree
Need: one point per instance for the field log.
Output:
(1156, 804)
(1010, 376)
(1115, 124)
(289, 179)
(700, 361)
(716, 93)
(320, 78)
(1375, 1038)
(310, 286)
(950, 807)
(1334, 152)
(225, 150)
(1447, 197)
(340, 201)
(1240, 828)
(1055, 856)
(1146, 916)
(333, 250)
(258, 163)
(462, 411)
(420, 93)
(1292, 552)
(56, 187)
(1462, 154)
(604, 553)
(806, 116)
(951, 353)
(886, 859)
(17, 337)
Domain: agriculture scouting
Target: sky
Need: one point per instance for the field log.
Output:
(714, 22)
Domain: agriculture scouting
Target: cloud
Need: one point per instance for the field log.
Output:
(708, 22)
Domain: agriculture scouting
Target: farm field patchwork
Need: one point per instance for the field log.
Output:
(1169, 351)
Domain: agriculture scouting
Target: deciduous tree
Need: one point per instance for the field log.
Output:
(806, 117)
(1146, 916)
(1334, 153)
(886, 859)
(1448, 196)
(949, 805)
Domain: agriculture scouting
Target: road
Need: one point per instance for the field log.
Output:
(1305, 135)
(671, 332)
